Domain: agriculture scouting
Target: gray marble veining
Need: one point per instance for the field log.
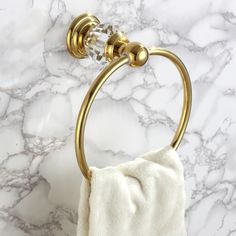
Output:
(42, 87)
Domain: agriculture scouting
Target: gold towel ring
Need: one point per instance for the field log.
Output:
(82, 38)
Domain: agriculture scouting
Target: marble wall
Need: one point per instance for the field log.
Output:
(42, 87)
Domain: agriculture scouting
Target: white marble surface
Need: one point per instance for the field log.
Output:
(42, 87)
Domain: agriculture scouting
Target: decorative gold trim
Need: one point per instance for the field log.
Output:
(77, 32)
(115, 45)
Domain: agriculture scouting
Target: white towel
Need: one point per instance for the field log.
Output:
(143, 197)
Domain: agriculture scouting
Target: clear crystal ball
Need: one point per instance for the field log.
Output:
(96, 41)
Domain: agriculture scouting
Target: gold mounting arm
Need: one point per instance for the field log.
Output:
(117, 45)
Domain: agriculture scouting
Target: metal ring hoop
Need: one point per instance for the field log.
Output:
(100, 80)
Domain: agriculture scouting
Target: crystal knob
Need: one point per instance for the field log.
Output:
(96, 41)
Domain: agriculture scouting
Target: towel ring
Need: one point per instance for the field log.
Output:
(104, 42)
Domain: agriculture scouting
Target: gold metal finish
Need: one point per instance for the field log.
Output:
(115, 45)
(77, 32)
(84, 110)
(100, 80)
(137, 54)
(119, 51)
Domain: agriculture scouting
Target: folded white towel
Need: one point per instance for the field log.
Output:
(143, 197)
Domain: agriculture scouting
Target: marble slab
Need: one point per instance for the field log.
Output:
(42, 88)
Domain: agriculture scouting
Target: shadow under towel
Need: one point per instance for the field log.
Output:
(143, 197)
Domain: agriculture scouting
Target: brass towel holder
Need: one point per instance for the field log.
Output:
(105, 43)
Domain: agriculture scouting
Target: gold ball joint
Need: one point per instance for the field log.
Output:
(137, 54)
(105, 43)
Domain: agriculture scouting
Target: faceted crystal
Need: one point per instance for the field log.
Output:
(96, 41)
